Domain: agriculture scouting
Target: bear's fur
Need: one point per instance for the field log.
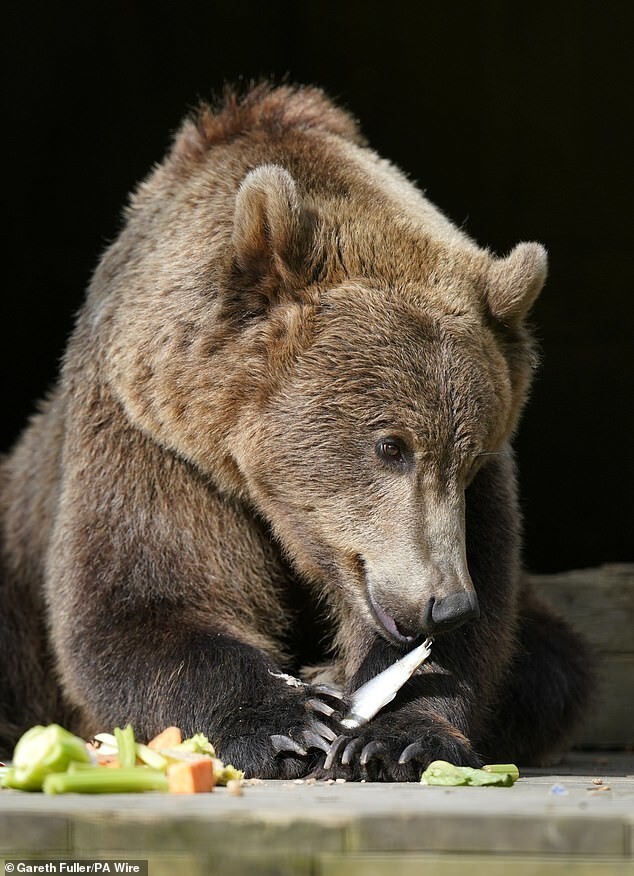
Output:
(280, 439)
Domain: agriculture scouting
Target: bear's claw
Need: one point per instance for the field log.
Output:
(282, 743)
(315, 740)
(319, 706)
(372, 749)
(350, 751)
(415, 751)
(324, 731)
(334, 750)
(329, 690)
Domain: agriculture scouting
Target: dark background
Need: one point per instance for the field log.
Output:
(515, 117)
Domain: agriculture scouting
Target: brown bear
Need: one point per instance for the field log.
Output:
(280, 440)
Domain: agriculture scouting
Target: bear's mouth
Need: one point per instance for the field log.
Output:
(388, 624)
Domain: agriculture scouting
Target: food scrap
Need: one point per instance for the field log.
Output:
(598, 789)
(193, 777)
(53, 760)
(441, 772)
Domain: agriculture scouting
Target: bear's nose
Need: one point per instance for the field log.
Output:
(451, 611)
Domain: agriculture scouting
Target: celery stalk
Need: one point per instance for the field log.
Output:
(102, 780)
(508, 768)
(150, 757)
(41, 751)
(126, 746)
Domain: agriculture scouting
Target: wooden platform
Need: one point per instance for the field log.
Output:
(547, 823)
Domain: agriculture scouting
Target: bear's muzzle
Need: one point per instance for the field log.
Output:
(451, 611)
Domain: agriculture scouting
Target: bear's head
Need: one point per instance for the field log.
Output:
(399, 366)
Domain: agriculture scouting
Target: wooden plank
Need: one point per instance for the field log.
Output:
(475, 865)
(599, 603)
(610, 722)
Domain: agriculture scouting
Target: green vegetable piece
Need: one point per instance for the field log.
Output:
(440, 772)
(196, 744)
(102, 780)
(42, 751)
(126, 746)
(482, 777)
(150, 757)
(508, 768)
(226, 772)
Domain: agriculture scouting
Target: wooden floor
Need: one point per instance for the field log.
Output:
(577, 820)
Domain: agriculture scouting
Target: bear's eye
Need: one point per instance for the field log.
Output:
(392, 451)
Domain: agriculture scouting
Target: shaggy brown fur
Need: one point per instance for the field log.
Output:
(280, 437)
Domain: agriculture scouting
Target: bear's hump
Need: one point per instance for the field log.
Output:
(275, 111)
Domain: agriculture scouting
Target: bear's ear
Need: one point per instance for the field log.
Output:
(513, 283)
(271, 237)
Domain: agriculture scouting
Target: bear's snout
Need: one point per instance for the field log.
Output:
(451, 611)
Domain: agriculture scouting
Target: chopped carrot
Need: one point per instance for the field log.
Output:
(191, 777)
(168, 738)
(108, 760)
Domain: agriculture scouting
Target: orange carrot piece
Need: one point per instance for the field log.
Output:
(168, 738)
(108, 760)
(191, 777)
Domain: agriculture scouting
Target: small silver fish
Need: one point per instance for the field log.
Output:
(370, 698)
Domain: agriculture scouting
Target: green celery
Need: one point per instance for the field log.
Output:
(126, 746)
(103, 780)
(150, 757)
(508, 768)
(41, 751)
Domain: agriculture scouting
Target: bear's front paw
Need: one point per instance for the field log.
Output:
(378, 752)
